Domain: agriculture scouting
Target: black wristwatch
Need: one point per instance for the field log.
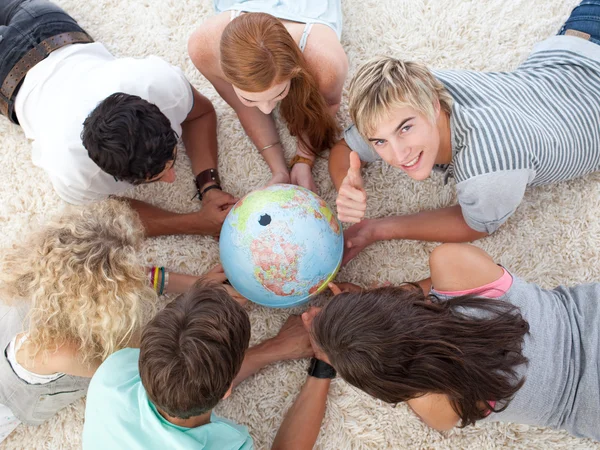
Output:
(320, 369)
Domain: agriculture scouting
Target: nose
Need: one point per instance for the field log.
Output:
(170, 176)
(400, 151)
(266, 108)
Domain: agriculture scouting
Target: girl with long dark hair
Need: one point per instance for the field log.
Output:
(472, 343)
(261, 53)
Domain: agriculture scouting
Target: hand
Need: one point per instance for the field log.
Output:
(352, 198)
(340, 288)
(292, 341)
(217, 275)
(307, 320)
(219, 195)
(357, 238)
(279, 178)
(215, 208)
(301, 175)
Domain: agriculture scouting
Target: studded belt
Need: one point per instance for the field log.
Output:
(32, 57)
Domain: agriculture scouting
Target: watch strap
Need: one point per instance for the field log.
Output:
(212, 186)
(320, 369)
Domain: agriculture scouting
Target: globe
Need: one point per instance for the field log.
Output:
(281, 245)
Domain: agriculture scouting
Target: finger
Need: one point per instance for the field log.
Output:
(223, 200)
(348, 219)
(354, 176)
(345, 203)
(349, 254)
(352, 193)
(334, 288)
(217, 269)
(351, 213)
(216, 277)
(225, 210)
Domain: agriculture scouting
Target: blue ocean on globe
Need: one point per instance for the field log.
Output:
(280, 245)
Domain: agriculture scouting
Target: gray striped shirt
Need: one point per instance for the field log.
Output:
(539, 124)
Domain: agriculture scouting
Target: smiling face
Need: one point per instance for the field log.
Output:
(267, 100)
(406, 139)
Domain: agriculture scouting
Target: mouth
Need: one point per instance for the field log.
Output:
(413, 163)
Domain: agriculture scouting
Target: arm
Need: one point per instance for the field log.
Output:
(199, 134)
(339, 162)
(207, 221)
(302, 422)
(292, 342)
(460, 267)
(439, 225)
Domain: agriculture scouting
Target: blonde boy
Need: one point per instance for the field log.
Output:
(495, 133)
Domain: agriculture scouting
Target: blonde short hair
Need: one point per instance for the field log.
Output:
(81, 275)
(385, 83)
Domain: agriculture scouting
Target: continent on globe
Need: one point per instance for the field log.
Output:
(280, 245)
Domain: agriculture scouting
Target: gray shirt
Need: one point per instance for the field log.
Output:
(537, 125)
(562, 378)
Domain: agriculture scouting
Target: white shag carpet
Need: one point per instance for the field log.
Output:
(552, 239)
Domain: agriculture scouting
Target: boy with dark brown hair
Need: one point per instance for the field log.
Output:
(192, 354)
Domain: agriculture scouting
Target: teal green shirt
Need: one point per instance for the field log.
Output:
(119, 415)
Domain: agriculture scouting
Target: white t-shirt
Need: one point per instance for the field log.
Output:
(59, 93)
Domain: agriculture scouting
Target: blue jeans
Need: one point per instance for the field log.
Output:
(23, 25)
(585, 18)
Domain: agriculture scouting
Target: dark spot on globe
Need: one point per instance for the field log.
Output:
(265, 220)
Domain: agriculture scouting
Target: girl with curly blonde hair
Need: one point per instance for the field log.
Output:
(74, 292)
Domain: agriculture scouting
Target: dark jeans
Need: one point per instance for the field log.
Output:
(23, 25)
(586, 19)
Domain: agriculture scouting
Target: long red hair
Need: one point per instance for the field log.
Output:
(257, 52)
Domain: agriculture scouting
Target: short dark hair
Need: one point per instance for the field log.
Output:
(192, 350)
(129, 138)
(397, 344)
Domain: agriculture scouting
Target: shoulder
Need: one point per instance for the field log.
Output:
(327, 60)
(237, 435)
(118, 367)
(203, 44)
(459, 267)
(435, 410)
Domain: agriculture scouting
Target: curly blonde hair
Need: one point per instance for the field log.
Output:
(84, 282)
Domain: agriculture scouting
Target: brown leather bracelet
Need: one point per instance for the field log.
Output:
(207, 176)
(301, 159)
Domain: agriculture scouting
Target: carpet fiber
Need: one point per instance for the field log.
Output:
(550, 240)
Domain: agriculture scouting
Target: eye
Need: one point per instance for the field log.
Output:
(379, 142)
(405, 128)
(264, 220)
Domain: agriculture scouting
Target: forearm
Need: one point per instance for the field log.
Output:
(159, 222)
(180, 283)
(301, 425)
(339, 163)
(261, 130)
(256, 358)
(200, 138)
(439, 225)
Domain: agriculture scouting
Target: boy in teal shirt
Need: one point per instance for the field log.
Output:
(191, 356)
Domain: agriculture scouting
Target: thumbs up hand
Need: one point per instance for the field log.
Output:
(352, 199)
